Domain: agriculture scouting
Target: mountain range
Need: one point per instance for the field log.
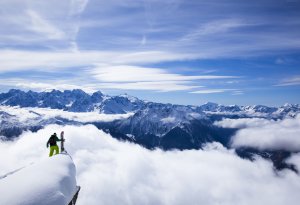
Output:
(152, 125)
(79, 101)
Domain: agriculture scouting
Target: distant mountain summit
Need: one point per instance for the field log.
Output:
(78, 101)
(72, 100)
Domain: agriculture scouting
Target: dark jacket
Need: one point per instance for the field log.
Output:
(52, 140)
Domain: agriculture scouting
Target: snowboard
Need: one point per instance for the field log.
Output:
(62, 146)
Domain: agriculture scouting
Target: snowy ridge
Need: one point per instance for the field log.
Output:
(73, 101)
(50, 181)
(290, 110)
(79, 101)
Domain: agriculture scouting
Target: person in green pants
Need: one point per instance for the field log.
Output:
(53, 145)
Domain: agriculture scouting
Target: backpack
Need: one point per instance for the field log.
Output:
(52, 140)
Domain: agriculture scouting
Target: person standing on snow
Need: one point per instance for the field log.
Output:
(53, 146)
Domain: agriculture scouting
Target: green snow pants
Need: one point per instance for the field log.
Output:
(52, 149)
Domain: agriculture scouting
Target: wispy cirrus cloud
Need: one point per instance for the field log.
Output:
(214, 27)
(51, 24)
(295, 80)
(42, 26)
(119, 77)
(160, 86)
(210, 91)
(30, 60)
(124, 73)
(146, 78)
(77, 7)
(155, 21)
(50, 84)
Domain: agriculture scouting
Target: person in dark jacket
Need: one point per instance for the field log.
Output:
(53, 145)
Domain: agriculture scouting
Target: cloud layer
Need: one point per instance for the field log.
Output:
(34, 115)
(114, 172)
(243, 122)
(265, 134)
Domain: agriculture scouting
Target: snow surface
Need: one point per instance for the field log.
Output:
(48, 182)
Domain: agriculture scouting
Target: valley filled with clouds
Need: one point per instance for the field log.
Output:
(117, 172)
(265, 134)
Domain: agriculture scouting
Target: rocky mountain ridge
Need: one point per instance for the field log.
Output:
(79, 101)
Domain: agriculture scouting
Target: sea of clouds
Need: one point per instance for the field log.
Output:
(32, 114)
(265, 134)
(113, 172)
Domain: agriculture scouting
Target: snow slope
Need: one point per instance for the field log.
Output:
(49, 181)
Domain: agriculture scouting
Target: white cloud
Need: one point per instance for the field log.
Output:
(78, 6)
(162, 86)
(294, 159)
(295, 80)
(209, 91)
(238, 92)
(36, 115)
(243, 122)
(111, 70)
(113, 172)
(48, 24)
(41, 25)
(38, 60)
(266, 134)
(144, 40)
(145, 78)
(214, 27)
(125, 73)
(168, 120)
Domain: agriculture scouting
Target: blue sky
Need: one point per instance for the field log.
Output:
(176, 51)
